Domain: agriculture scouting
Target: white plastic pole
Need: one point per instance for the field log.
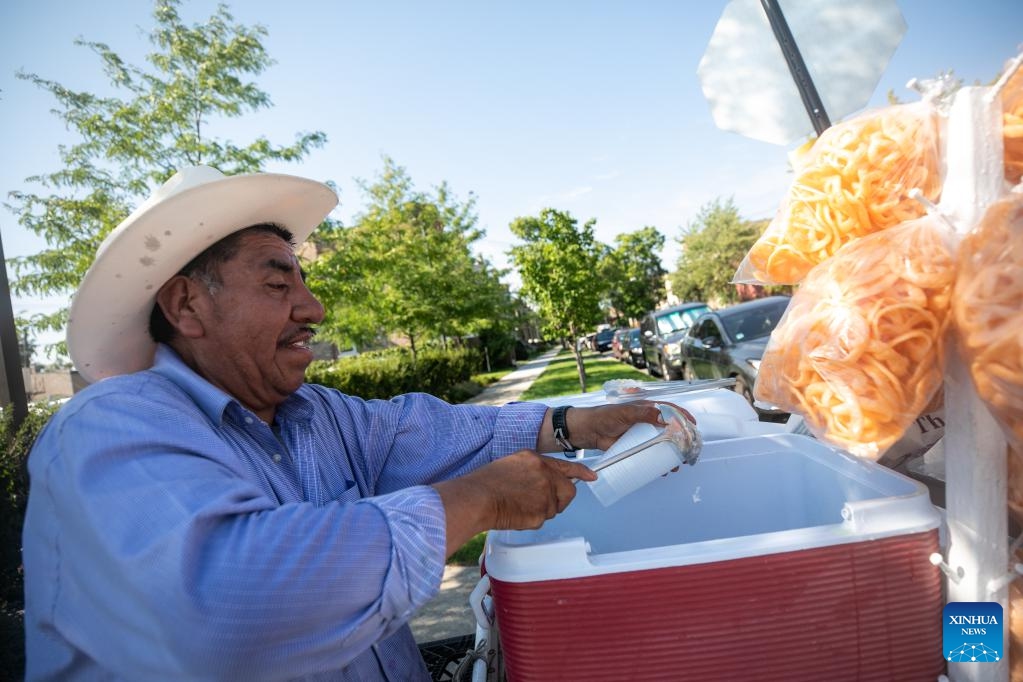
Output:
(975, 449)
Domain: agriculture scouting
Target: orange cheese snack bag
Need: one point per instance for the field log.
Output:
(852, 182)
(988, 310)
(859, 352)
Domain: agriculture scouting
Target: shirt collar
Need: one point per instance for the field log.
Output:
(210, 399)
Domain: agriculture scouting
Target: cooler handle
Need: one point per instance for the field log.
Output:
(484, 616)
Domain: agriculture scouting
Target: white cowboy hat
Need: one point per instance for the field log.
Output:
(108, 327)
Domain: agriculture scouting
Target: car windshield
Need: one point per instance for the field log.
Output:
(605, 335)
(679, 320)
(753, 324)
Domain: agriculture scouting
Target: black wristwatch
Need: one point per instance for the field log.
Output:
(561, 428)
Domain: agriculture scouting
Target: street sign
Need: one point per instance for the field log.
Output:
(750, 72)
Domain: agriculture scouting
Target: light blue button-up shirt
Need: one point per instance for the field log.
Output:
(172, 535)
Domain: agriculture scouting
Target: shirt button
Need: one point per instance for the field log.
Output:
(248, 420)
(277, 457)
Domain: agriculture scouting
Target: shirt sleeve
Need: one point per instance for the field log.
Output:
(166, 560)
(414, 518)
(398, 447)
(418, 439)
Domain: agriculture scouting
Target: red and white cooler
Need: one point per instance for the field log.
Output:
(773, 558)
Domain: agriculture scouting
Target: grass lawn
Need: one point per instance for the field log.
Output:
(469, 553)
(559, 378)
(486, 378)
(562, 377)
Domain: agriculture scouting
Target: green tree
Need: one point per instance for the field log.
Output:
(633, 273)
(158, 121)
(499, 335)
(27, 347)
(712, 247)
(558, 265)
(406, 267)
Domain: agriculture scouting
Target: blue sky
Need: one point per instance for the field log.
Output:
(590, 107)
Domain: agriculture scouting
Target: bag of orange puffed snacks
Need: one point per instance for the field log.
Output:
(988, 310)
(855, 180)
(1012, 126)
(859, 352)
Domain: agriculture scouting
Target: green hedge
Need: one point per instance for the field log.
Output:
(385, 374)
(14, 448)
(14, 489)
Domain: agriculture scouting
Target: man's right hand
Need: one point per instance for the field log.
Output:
(515, 492)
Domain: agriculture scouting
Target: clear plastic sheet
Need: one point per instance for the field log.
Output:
(859, 352)
(644, 453)
(854, 181)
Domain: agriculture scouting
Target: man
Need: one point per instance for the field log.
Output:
(201, 513)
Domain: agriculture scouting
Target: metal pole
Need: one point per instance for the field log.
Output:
(9, 348)
(974, 446)
(797, 67)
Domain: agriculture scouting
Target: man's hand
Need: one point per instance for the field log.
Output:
(515, 492)
(599, 427)
(527, 488)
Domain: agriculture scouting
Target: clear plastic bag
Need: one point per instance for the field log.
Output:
(988, 311)
(852, 182)
(859, 352)
(1012, 126)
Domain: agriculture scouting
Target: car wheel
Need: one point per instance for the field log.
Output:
(650, 369)
(665, 370)
(743, 389)
(688, 373)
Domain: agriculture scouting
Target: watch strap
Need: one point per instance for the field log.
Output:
(561, 428)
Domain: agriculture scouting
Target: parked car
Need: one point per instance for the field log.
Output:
(602, 339)
(585, 342)
(635, 350)
(730, 343)
(662, 331)
(620, 345)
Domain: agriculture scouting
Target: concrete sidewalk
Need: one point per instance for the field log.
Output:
(448, 614)
(514, 384)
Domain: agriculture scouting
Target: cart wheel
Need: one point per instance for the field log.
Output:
(443, 656)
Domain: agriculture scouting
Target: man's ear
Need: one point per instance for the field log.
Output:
(178, 299)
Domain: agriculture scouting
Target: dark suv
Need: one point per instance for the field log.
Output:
(602, 341)
(730, 342)
(661, 332)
